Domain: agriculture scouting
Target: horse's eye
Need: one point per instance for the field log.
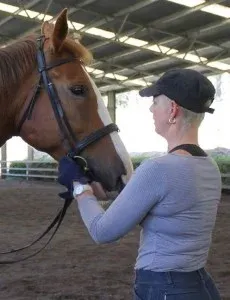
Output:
(78, 90)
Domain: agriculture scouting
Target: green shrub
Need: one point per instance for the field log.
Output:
(15, 165)
(36, 165)
(43, 165)
(223, 162)
(137, 160)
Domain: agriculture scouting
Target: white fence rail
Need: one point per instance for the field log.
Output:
(28, 170)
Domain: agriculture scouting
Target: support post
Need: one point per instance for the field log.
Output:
(112, 105)
(30, 157)
(30, 153)
(4, 159)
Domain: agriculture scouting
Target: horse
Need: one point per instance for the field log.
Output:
(50, 101)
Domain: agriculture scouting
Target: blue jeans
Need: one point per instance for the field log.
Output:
(197, 285)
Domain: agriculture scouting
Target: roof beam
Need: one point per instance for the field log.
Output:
(109, 81)
(125, 87)
(164, 56)
(119, 67)
(36, 28)
(72, 10)
(112, 59)
(152, 25)
(185, 12)
(123, 12)
(144, 74)
(26, 6)
(173, 38)
(119, 13)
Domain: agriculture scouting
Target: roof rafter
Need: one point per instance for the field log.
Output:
(27, 6)
(123, 12)
(138, 74)
(174, 37)
(152, 25)
(71, 11)
(117, 40)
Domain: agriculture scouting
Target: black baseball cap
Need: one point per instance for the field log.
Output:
(188, 88)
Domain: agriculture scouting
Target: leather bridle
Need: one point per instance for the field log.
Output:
(75, 146)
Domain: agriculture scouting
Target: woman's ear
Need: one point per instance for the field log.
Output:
(174, 109)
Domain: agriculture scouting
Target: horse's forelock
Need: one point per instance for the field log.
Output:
(78, 50)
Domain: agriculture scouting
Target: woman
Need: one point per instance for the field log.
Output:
(174, 198)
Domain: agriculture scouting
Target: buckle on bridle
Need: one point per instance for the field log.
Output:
(79, 160)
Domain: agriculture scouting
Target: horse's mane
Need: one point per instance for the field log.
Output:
(15, 62)
(19, 58)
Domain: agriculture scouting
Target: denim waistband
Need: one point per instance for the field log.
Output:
(151, 277)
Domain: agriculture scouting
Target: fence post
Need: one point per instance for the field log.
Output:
(30, 157)
(4, 159)
(111, 106)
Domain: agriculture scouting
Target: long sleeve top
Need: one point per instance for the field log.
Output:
(174, 198)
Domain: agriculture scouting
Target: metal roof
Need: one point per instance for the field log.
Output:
(139, 40)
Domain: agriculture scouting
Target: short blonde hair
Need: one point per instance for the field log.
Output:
(191, 118)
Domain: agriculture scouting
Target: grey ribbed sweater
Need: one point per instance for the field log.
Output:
(174, 198)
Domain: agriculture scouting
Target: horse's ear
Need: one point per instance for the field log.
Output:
(60, 30)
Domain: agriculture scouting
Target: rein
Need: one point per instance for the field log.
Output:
(57, 220)
(76, 146)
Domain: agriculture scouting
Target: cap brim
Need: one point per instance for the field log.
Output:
(151, 91)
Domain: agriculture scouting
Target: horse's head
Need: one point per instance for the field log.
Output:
(70, 109)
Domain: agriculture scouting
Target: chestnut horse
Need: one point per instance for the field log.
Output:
(48, 98)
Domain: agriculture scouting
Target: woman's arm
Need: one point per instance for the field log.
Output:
(141, 193)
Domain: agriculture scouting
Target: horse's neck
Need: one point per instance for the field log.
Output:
(4, 138)
(7, 127)
(13, 111)
(13, 96)
(7, 123)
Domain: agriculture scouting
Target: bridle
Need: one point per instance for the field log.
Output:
(76, 146)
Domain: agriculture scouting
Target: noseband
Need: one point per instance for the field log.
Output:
(76, 146)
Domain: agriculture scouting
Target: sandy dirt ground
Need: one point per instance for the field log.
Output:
(72, 266)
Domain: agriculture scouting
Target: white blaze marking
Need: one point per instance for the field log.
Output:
(118, 144)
